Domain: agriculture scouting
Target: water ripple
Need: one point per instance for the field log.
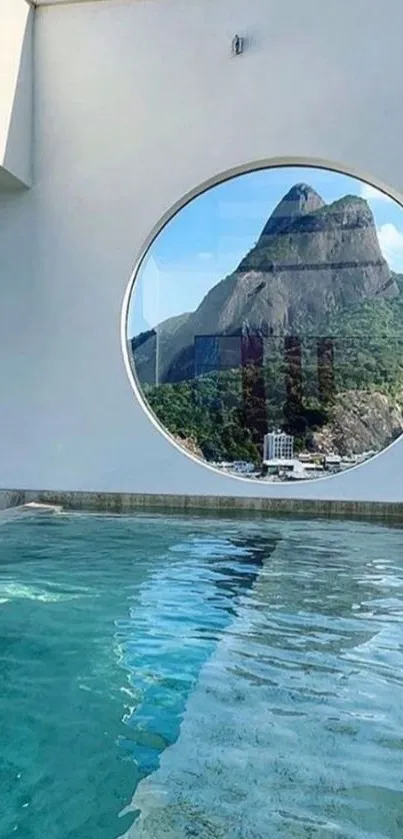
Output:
(201, 678)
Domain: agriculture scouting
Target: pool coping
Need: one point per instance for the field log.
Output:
(118, 503)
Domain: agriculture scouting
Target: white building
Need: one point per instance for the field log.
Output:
(278, 446)
(114, 113)
(332, 461)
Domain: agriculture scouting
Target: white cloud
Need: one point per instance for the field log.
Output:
(371, 194)
(391, 243)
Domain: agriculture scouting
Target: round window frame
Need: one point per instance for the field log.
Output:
(164, 220)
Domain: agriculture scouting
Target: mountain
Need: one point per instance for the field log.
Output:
(311, 263)
(315, 270)
(361, 421)
(145, 348)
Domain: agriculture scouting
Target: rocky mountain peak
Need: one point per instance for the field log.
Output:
(299, 200)
(352, 209)
(312, 262)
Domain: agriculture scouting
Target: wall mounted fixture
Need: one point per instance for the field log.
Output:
(237, 45)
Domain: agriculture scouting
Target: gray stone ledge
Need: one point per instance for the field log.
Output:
(209, 504)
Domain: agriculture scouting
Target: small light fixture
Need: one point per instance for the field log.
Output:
(237, 45)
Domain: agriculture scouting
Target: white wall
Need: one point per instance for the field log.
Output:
(136, 103)
(15, 92)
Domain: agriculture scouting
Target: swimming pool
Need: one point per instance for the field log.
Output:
(185, 677)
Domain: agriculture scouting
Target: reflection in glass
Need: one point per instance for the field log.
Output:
(266, 321)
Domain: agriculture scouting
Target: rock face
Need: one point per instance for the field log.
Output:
(311, 261)
(150, 348)
(190, 444)
(361, 422)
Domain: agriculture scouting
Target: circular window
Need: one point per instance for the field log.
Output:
(265, 324)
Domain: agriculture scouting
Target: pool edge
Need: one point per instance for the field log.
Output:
(133, 502)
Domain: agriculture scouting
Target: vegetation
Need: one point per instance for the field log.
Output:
(226, 413)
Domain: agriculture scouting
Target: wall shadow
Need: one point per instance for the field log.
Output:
(16, 166)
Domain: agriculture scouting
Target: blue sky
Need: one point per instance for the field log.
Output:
(207, 238)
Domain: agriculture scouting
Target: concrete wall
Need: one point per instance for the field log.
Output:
(16, 19)
(137, 102)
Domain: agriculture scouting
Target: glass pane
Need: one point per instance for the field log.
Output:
(265, 324)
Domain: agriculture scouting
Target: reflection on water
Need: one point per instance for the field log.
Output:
(182, 612)
(297, 715)
(187, 677)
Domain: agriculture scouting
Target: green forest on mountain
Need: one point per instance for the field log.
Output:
(216, 412)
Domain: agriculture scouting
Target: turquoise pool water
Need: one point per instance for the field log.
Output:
(178, 678)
